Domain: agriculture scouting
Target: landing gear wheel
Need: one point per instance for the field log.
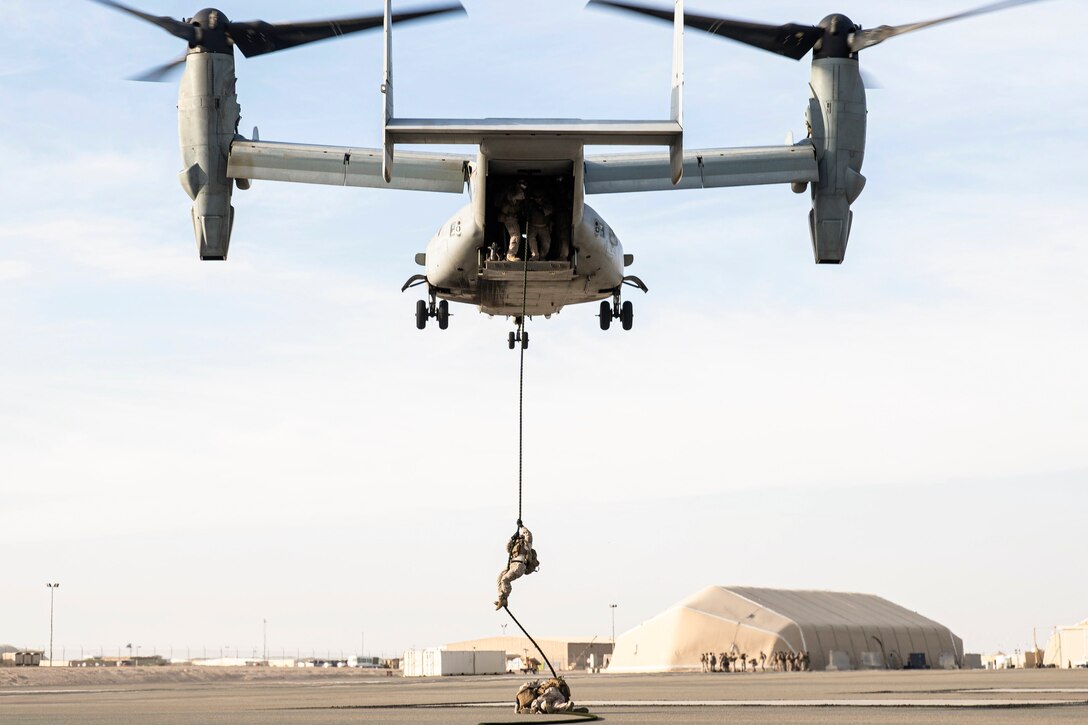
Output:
(524, 340)
(627, 315)
(443, 315)
(421, 314)
(511, 340)
(606, 315)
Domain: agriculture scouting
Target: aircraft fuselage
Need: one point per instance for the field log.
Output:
(467, 260)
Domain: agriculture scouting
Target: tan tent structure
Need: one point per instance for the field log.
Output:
(839, 631)
(1068, 647)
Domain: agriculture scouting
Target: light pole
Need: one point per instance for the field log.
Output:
(504, 629)
(613, 608)
(265, 658)
(52, 590)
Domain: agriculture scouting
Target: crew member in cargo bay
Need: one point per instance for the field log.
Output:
(510, 210)
(521, 560)
(540, 225)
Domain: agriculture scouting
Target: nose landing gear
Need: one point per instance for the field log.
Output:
(516, 337)
(521, 335)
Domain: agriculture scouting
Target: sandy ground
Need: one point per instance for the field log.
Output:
(267, 695)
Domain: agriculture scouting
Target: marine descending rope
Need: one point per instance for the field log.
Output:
(522, 339)
(521, 416)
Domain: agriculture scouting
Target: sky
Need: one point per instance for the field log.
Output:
(191, 449)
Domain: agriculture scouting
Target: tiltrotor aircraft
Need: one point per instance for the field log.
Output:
(526, 243)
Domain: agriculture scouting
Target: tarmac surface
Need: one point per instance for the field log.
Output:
(265, 695)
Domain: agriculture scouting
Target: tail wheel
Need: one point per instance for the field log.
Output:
(606, 314)
(627, 315)
(421, 314)
(443, 315)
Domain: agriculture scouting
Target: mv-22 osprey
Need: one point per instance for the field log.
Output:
(527, 243)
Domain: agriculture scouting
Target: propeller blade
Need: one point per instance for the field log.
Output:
(159, 73)
(176, 28)
(868, 38)
(256, 37)
(791, 40)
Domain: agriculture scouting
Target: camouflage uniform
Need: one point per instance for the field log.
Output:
(554, 697)
(526, 695)
(522, 561)
(509, 214)
(540, 226)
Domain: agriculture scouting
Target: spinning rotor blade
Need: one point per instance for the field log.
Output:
(836, 36)
(211, 31)
(178, 29)
(256, 37)
(791, 40)
(159, 73)
(862, 39)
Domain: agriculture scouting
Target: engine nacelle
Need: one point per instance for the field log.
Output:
(208, 116)
(836, 121)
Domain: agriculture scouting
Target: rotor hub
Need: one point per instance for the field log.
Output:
(835, 42)
(212, 31)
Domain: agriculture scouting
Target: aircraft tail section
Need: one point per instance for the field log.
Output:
(387, 91)
(669, 133)
(676, 147)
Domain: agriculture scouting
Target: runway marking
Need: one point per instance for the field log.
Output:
(960, 704)
(1034, 690)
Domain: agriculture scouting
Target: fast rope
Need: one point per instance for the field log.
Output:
(523, 340)
(546, 660)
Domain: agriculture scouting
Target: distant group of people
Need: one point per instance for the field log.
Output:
(779, 661)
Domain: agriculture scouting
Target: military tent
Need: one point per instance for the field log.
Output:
(838, 630)
(1068, 647)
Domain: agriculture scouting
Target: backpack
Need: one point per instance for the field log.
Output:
(531, 562)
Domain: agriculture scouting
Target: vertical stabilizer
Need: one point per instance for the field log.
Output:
(387, 91)
(676, 148)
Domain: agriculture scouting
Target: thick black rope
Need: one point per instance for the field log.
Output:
(546, 661)
(577, 717)
(521, 371)
(572, 717)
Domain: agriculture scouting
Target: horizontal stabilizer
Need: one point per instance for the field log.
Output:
(473, 131)
(344, 166)
(703, 169)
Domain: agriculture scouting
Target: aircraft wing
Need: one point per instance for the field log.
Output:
(345, 166)
(703, 169)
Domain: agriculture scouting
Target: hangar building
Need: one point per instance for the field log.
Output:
(839, 630)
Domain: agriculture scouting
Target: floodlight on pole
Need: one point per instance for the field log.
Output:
(52, 590)
(613, 608)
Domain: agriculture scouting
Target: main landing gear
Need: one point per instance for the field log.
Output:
(613, 310)
(439, 310)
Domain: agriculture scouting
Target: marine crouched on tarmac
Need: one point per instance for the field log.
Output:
(546, 697)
